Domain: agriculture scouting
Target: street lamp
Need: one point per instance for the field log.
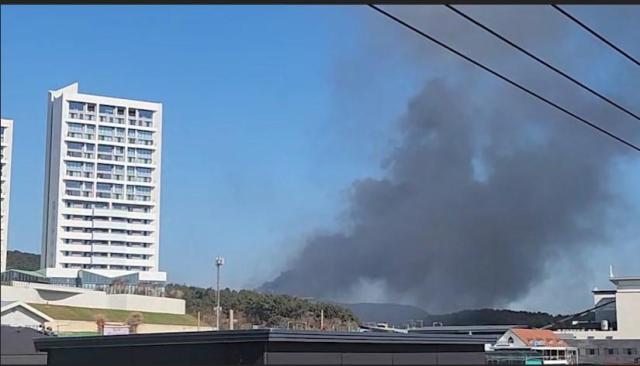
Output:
(219, 263)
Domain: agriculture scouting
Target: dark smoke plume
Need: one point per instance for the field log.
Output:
(485, 188)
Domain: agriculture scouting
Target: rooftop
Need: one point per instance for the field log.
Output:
(264, 335)
(539, 337)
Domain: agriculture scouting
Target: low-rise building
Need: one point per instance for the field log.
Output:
(522, 346)
(265, 347)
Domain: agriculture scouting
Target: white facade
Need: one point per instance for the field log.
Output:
(627, 311)
(19, 314)
(6, 143)
(102, 186)
(40, 293)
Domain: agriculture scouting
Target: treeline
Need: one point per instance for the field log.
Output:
(252, 308)
(495, 317)
(21, 260)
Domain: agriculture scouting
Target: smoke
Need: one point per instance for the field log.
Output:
(485, 188)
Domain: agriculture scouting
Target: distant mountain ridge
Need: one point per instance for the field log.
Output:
(401, 315)
(22, 260)
(397, 314)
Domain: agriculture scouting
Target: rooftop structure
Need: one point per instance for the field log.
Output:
(617, 312)
(264, 347)
(543, 345)
(102, 186)
(6, 147)
(17, 347)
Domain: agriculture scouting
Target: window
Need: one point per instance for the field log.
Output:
(76, 106)
(106, 109)
(91, 107)
(106, 130)
(104, 187)
(144, 135)
(76, 127)
(630, 351)
(105, 167)
(611, 351)
(120, 111)
(105, 148)
(592, 351)
(132, 112)
(145, 114)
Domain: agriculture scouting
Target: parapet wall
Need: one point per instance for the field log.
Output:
(70, 296)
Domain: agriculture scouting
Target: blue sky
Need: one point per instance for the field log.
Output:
(262, 138)
(252, 159)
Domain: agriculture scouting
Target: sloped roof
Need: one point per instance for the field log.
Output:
(8, 305)
(539, 337)
(17, 346)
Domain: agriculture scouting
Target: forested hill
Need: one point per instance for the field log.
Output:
(401, 315)
(263, 309)
(21, 260)
(254, 308)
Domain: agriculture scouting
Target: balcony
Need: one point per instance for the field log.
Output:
(132, 178)
(75, 235)
(83, 116)
(111, 157)
(135, 197)
(77, 193)
(78, 173)
(78, 135)
(140, 160)
(140, 141)
(110, 176)
(75, 260)
(117, 196)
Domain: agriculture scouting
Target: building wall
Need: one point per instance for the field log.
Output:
(102, 185)
(628, 313)
(6, 147)
(17, 317)
(597, 351)
(76, 326)
(46, 294)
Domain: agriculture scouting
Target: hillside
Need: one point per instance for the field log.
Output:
(252, 307)
(397, 314)
(22, 260)
(268, 310)
(401, 315)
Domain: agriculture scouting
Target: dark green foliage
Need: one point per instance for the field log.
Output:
(495, 317)
(401, 315)
(20, 260)
(257, 308)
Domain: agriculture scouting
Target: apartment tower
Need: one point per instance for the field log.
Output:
(102, 186)
(6, 144)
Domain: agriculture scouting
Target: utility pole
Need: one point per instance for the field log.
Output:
(219, 263)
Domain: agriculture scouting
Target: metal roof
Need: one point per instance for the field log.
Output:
(468, 328)
(17, 346)
(259, 335)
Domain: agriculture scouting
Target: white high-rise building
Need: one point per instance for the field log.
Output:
(6, 134)
(102, 186)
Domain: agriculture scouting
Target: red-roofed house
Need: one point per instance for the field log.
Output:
(552, 349)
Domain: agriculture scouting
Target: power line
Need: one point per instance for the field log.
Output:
(495, 73)
(512, 44)
(595, 34)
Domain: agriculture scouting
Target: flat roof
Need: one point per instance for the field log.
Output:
(470, 327)
(259, 335)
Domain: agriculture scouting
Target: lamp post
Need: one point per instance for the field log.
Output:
(219, 263)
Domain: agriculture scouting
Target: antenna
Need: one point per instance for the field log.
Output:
(611, 271)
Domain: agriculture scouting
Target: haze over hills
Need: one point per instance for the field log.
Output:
(396, 314)
(401, 315)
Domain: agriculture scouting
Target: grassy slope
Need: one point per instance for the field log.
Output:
(60, 312)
